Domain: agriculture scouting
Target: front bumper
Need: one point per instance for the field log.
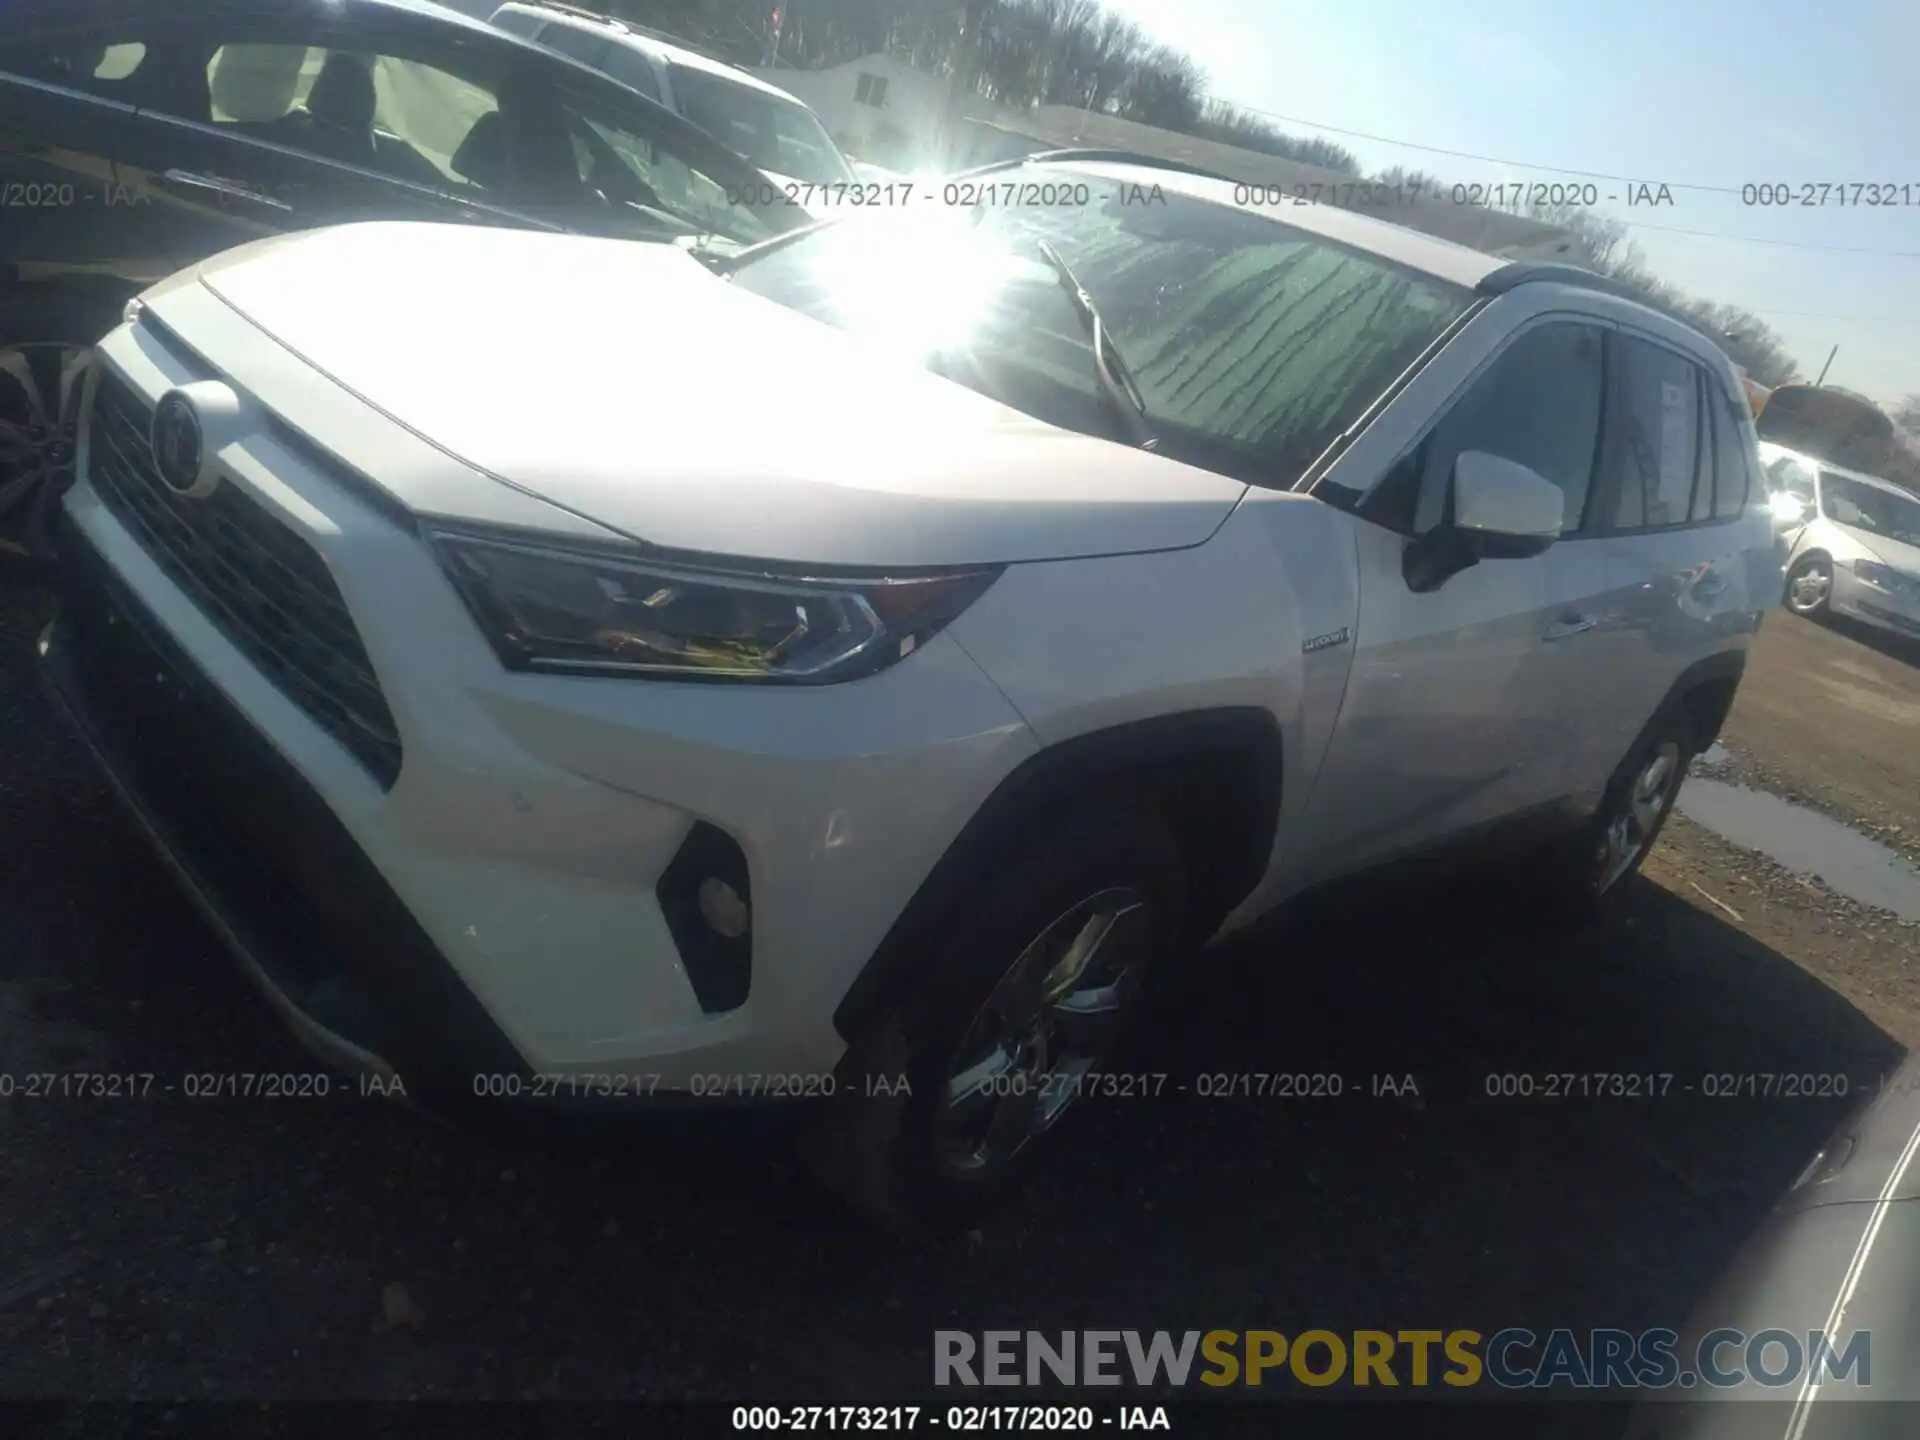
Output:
(310, 920)
(498, 909)
(1898, 612)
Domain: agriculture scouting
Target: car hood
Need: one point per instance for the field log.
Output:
(1884, 548)
(629, 384)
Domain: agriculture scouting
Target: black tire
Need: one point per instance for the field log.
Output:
(1584, 876)
(39, 326)
(1815, 567)
(894, 1151)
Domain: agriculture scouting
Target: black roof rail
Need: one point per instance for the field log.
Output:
(1098, 156)
(1527, 272)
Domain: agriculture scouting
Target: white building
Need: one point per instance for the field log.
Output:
(877, 109)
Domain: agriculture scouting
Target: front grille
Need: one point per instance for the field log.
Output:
(265, 588)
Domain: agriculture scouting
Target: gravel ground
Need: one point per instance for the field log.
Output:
(347, 1248)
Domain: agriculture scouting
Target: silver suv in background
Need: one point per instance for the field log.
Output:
(761, 122)
(1852, 541)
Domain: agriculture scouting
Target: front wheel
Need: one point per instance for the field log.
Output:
(1013, 1013)
(1810, 587)
(47, 335)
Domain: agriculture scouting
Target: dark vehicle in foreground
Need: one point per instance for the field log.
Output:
(1840, 1256)
(138, 137)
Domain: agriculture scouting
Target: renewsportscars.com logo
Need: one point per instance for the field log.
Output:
(1510, 1359)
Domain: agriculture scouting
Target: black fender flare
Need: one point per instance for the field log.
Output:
(1246, 738)
(1722, 669)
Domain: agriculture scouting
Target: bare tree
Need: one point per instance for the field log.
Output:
(1413, 182)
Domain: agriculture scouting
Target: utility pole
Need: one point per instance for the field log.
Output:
(962, 76)
(1826, 367)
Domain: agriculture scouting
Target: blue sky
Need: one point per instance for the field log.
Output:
(1701, 92)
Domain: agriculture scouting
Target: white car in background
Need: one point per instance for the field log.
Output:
(1852, 541)
(772, 129)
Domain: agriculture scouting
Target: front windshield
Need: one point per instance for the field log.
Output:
(773, 133)
(1868, 507)
(1254, 344)
(650, 185)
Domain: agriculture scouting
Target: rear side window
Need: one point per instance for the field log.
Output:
(632, 69)
(96, 68)
(516, 22)
(580, 44)
(1656, 435)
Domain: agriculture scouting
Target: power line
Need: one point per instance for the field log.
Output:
(1592, 175)
(1758, 240)
(1485, 159)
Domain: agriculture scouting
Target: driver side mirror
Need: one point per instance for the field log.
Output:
(1499, 509)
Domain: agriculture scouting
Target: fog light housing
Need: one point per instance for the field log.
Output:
(722, 907)
(707, 901)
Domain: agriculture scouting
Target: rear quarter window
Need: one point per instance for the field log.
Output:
(1733, 463)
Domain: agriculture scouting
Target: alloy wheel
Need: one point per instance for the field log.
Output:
(1809, 588)
(1630, 829)
(1042, 1032)
(40, 388)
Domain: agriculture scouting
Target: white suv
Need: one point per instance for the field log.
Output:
(829, 668)
(774, 130)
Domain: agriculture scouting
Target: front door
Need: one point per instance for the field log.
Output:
(1456, 714)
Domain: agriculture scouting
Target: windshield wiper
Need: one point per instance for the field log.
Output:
(1116, 379)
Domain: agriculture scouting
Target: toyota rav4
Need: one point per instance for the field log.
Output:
(565, 666)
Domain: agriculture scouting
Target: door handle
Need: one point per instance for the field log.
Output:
(1569, 625)
(215, 185)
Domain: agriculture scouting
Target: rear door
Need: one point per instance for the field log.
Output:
(1454, 718)
(1673, 492)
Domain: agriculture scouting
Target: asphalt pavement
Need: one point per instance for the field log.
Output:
(345, 1247)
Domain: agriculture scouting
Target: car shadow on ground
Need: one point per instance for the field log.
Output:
(1408, 1188)
(654, 1261)
(1904, 648)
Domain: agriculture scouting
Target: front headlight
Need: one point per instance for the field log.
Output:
(1874, 573)
(546, 607)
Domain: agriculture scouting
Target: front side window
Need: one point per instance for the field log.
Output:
(1657, 453)
(1868, 507)
(1538, 404)
(1254, 344)
(1789, 475)
(771, 131)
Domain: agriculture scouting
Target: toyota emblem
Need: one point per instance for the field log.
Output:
(177, 444)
